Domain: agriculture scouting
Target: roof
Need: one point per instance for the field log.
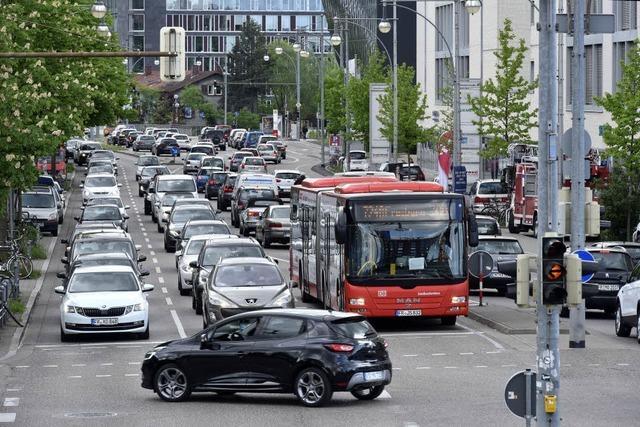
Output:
(385, 187)
(233, 241)
(245, 261)
(610, 244)
(330, 182)
(101, 174)
(152, 80)
(286, 171)
(104, 269)
(205, 222)
(167, 177)
(100, 256)
(213, 237)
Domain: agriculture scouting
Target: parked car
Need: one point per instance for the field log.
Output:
(165, 146)
(501, 248)
(99, 185)
(143, 142)
(628, 305)
(236, 159)
(102, 300)
(225, 191)
(269, 153)
(631, 248)
(488, 226)
(285, 179)
(250, 216)
(252, 164)
(272, 351)
(210, 255)
(274, 225)
(144, 161)
(40, 204)
(487, 192)
(102, 213)
(178, 218)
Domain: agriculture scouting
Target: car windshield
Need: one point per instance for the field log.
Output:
(218, 163)
(422, 239)
(634, 251)
(496, 187)
(101, 213)
(213, 254)
(103, 282)
(100, 181)
(169, 141)
(95, 262)
(106, 201)
(199, 229)
(410, 170)
(184, 215)
(148, 161)
(100, 169)
(254, 161)
(488, 227)
(204, 150)
(613, 260)
(218, 177)
(34, 200)
(148, 172)
(263, 203)
(256, 194)
(281, 212)
(206, 172)
(240, 155)
(194, 246)
(287, 175)
(353, 327)
(266, 147)
(500, 247)
(169, 199)
(101, 246)
(196, 156)
(146, 138)
(253, 137)
(247, 275)
(185, 185)
(357, 155)
(89, 147)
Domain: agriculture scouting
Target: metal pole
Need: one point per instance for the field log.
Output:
(561, 99)
(224, 77)
(322, 142)
(120, 54)
(548, 317)
(577, 314)
(553, 119)
(346, 83)
(298, 93)
(457, 149)
(395, 82)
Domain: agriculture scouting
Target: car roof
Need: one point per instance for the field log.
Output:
(204, 222)
(607, 250)
(208, 237)
(168, 177)
(195, 207)
(102, 174)
(39, 190)
(106, 255)
(245, 261)
(239, 241)
(104, 269)
(286, 171)
(309, 313)
(609, 244)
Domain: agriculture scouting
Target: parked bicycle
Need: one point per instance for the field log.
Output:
(496, 211)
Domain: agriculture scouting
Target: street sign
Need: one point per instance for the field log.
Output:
(459, 179)
(480, 263)
(520, 394)
(566, 142)
(585, 256)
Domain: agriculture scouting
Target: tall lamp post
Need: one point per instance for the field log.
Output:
(176, 105)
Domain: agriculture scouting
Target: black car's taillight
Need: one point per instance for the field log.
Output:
(339, 348)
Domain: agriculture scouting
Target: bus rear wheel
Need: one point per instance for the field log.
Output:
(449, 320)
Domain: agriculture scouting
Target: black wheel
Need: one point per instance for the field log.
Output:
(535, 226)
(622, 330)
(198, 304)
(368, 393)
(638, 327)
(449, 320)
(147, 207)
(312, 387)
(245, 232)
(265, 241)
(144, 335)
(513, 228)
(160, 230)
(193, 299)
(184, 292)
(61, 219)
(140, 193)
(63, 337)
(54, 233)
(171, 383)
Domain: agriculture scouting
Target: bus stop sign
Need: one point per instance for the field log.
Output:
(520, 394)
(585, 256)
(480, 263)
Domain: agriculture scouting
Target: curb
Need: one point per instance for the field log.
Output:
(320, 170)
(505, 329)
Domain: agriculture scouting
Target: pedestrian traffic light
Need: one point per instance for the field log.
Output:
(172, 68)
(553, 271)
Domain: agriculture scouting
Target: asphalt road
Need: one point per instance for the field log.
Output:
(442, 376)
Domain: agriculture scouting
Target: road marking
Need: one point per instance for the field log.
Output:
(481, 366)
(14, 389)
(493, 352)
(623, 364)
(77, 365)
(397, 369)
(384, 395)
(149, 246)
(11, 401)
(409, 355)
(131, 375)
(103, 376)
(155, 260)
(7, 417)
(507, 366)
(176, 320)
(466, 354)
(49, 366)
(134, 363)
(438, 354)
(23, 366)
(280, 259)
(129, 346)
(427, 334)
(423, 367)
(164, 290)
(158, 270)
(146, 239)
(152, 253)
(168, 300)
(568, 365)
(144, 230)
(495, 343)
(74, 376)
(160, 279)
(106, 364)
(594, 364)
(450, 367)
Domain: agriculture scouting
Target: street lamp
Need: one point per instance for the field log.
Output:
(98, 10)
(384, 26)
(266, 58)
(336, 39)
(156, 62)
(297, 47)
(472, 6)
(279, 50)
(103, 30)
(304, 53)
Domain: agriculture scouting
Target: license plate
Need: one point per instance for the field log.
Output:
(374, 376)
(106, 321)
(608, 287)
(403, 313)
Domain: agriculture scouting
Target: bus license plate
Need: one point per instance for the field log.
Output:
(404, 313)
(103, 322)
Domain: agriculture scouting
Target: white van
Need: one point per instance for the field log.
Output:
(261, 180)
(356, 160)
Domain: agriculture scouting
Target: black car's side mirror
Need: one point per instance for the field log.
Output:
(193, 264)
(473, 230)
(142, 258)
(144, 273)
(61, 275)
(341, 227)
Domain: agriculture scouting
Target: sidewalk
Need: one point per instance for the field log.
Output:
(505, 316)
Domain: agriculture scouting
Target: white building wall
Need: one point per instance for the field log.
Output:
(488, 25)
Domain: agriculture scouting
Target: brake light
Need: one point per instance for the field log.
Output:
(211, 182)
(275, 225)
(479, 199)
(242, 166)
(252, 213)
(228, 189)
(339, 348)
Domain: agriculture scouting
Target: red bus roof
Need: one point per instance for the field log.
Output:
(382, 187)
(330, 182)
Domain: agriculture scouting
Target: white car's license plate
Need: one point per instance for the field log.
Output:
(402, 313)
(608, 287)
(374, 376)
(105, 321)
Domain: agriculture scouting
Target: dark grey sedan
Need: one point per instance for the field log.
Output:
(501, 249)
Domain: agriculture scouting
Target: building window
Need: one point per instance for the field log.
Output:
(137, 43)
(532, 72)
(625, 13)
(464, 30)
(620, 55)
(443, 78)
(136, 5)
(593, 73)
(444, 21)
(272, 23)
(214, 90)
(137, 23)
(463, 67)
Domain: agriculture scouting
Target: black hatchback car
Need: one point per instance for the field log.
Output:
(310, 353)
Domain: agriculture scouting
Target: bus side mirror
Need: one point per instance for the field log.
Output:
(473, 230)
(341, 228)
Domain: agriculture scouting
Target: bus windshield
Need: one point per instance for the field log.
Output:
(410, 240)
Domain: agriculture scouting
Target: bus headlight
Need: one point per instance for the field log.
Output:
(458, 300)
(357, 301)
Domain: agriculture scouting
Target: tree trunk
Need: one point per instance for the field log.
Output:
(628, 233)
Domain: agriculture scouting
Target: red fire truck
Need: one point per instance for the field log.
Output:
(381, 248)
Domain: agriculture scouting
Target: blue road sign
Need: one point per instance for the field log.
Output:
(585, 256)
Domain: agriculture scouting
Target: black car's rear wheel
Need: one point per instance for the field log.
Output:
(368, 393)
(171, 383)
(312, 387)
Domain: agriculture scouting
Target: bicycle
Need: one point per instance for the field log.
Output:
(16, 260)
(496, 211)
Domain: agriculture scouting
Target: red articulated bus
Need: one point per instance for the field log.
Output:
(381, 248)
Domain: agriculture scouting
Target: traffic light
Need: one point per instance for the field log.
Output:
(553, 271)
(172, 68)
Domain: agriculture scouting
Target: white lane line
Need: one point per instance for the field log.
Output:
(158, 270)
(409, 355)
(438, 354)
(146, 239)
(131, 375)
(176, 320)
(481, 366)
(7, 417)
(134, 363)
(493, 352)
(397, 369)
(493, 342)
(507, 366)
(423, 367)
(23, 366)
(450, 367)
(384, 395)
(164, 290)
(622, 364)
(77, 365)
(74, 376)
(155, 260)
(168, 300)
(427, 334)
(149, 246)
(568, 365)
(160, 279)
(280, 259)
(144, 230)
(14, 389)
(466, 354)
(152, 253)
(11, 401)
(103, 376)
(129, 346)
(106, 364)
(49, 366)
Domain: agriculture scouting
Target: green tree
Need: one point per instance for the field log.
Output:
(247, 67)
(412, 107)
(358, 94)
(44, 102)
(621, 201)
(334, 100)
(504, 110)
(192, 96)
(247, 120)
